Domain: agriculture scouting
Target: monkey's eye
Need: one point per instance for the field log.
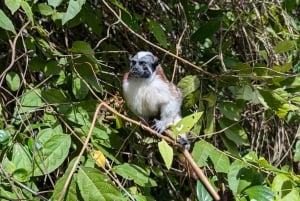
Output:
(133, 62)
(142, 63)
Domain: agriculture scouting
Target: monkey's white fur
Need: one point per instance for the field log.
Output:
(151, 96)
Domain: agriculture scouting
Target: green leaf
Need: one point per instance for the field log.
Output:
(284, 68)
(206, 30)
(202, 150)
(278, 100)
(21, 157)
(297, 152)
(94, 185)
(88, 73)
(234, 131)
(284, 46)
(202, 193)
(221, 161)
(8, 166)
(74, 8)
(52, 68)
(71, 192)
(166, 152)
(52, 154)
(158, 32)
(79, 88)
(13, 6)
(189, 84)
(210, 122)
(21, 175)
(29, 102)
(261, 193)
(81, 113)
(284, 188)
(54, 3)
(120, 6)
(186, 124)
(81, 47)
(45, 9)
(4, 137)
(8, 194)
(27, 8)
(230, 110)
(53, 96)
(239, 177)
(13, 81)
(133, 172)
(247, 93)
(6, 23)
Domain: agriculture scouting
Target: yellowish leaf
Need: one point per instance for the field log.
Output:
(99, 158)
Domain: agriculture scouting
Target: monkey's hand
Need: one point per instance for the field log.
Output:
(159, 125)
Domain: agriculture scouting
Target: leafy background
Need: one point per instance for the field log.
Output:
(65, 131)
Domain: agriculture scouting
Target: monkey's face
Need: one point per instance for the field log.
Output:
(143, 65)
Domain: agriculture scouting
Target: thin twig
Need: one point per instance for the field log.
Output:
(85, 145)
(13, 53)
(171, 141)
(178, 46)
(198, 68)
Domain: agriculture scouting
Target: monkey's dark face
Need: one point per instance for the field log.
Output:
(143, 65)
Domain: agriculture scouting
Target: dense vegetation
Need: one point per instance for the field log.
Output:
(66, 133)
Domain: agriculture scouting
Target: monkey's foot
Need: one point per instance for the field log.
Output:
(184, 141)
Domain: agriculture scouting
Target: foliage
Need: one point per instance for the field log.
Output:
(237, 64)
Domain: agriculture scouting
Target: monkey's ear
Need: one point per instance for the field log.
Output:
(155, 62)
(130, 57)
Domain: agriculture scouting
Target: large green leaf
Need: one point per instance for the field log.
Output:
(21, 157)
(88, 72)
(6, 23)
(71, 192)
(45, 9)
(94, 185)
(284, 188)
(166, 152)
(261, 193)
(53, 96)
(278, 100)
(81, 113)
(202, 150)
(234, 131)
(206, 30)
(158, 32)
(79, 88)
(52, 154)
(240, 176)
(29, 102)
(230, 110)
(82, 48)
(202, 193)
(186, 124)
(74, 8)
(13, 5)
(284, 46)
(189, 84)
(27, 8)
(54, 3)
(235, 183)
(133, 172)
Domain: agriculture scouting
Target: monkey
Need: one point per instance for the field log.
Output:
(150, 95)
